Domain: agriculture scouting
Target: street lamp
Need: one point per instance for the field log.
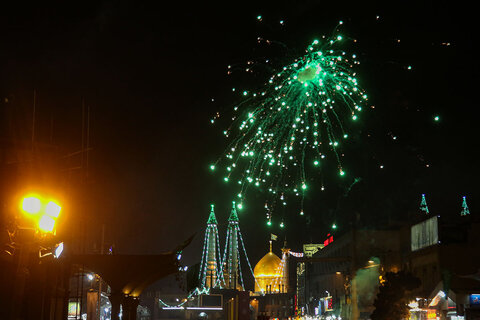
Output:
(34, 233)
(39, 217)
(44, 212)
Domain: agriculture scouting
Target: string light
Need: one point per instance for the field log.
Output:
(296, 254)
(423, 205)
(465, 210)
(192, 294)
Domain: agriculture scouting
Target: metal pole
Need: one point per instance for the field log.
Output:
(20, 280)
(33, 117)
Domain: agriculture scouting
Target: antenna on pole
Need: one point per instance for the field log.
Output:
(33, 117)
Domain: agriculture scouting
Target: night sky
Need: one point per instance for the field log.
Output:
(149, 73)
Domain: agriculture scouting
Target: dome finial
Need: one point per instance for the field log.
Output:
(270, 245)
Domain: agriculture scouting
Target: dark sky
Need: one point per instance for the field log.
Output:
(148, 73)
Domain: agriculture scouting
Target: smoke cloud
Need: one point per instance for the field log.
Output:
(367, 283)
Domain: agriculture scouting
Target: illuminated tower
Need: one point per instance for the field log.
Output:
(465, 210)
(210, 274)
(232, 261)
(423, 205)
(285, 255)
(232, 270)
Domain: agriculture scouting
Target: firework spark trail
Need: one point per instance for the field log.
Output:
(288, 128)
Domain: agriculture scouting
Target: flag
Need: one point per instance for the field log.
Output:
(273, 237)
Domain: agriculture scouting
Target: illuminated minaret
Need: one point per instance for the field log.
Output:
(285, 255)
(232, 262)
(209, 268)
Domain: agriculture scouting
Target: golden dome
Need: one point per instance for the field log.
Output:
(268, 266)
(268, 274)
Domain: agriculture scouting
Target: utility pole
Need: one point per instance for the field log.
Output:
(33, 116)
(25, 250)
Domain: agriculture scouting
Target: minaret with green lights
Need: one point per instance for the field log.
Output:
(210, 269)
(232, 263)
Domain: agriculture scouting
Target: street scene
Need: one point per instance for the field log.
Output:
(267, 160)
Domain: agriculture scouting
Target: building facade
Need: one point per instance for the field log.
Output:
(444, 256)
(342, 278)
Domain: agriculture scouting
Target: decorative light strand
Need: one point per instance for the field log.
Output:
(192, 294)
(246, 258)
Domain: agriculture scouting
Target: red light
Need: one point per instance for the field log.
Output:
(328, 240)
(328, 303)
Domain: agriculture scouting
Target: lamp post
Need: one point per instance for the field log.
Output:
(43, 212)
(33, 228)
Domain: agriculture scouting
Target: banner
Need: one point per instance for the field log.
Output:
(424, 234)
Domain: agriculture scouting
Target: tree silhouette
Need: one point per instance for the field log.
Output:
(394, 295)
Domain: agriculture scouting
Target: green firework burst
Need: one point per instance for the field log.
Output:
(297, 121)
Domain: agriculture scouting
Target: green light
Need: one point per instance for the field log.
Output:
(282, 225)
(334, 226)
(300, 114)
(436, 118)
(212, 167)
(465, 211)
(269, 223)
(211, 241)
(225, 179)
(240, 206)
(301, 213)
